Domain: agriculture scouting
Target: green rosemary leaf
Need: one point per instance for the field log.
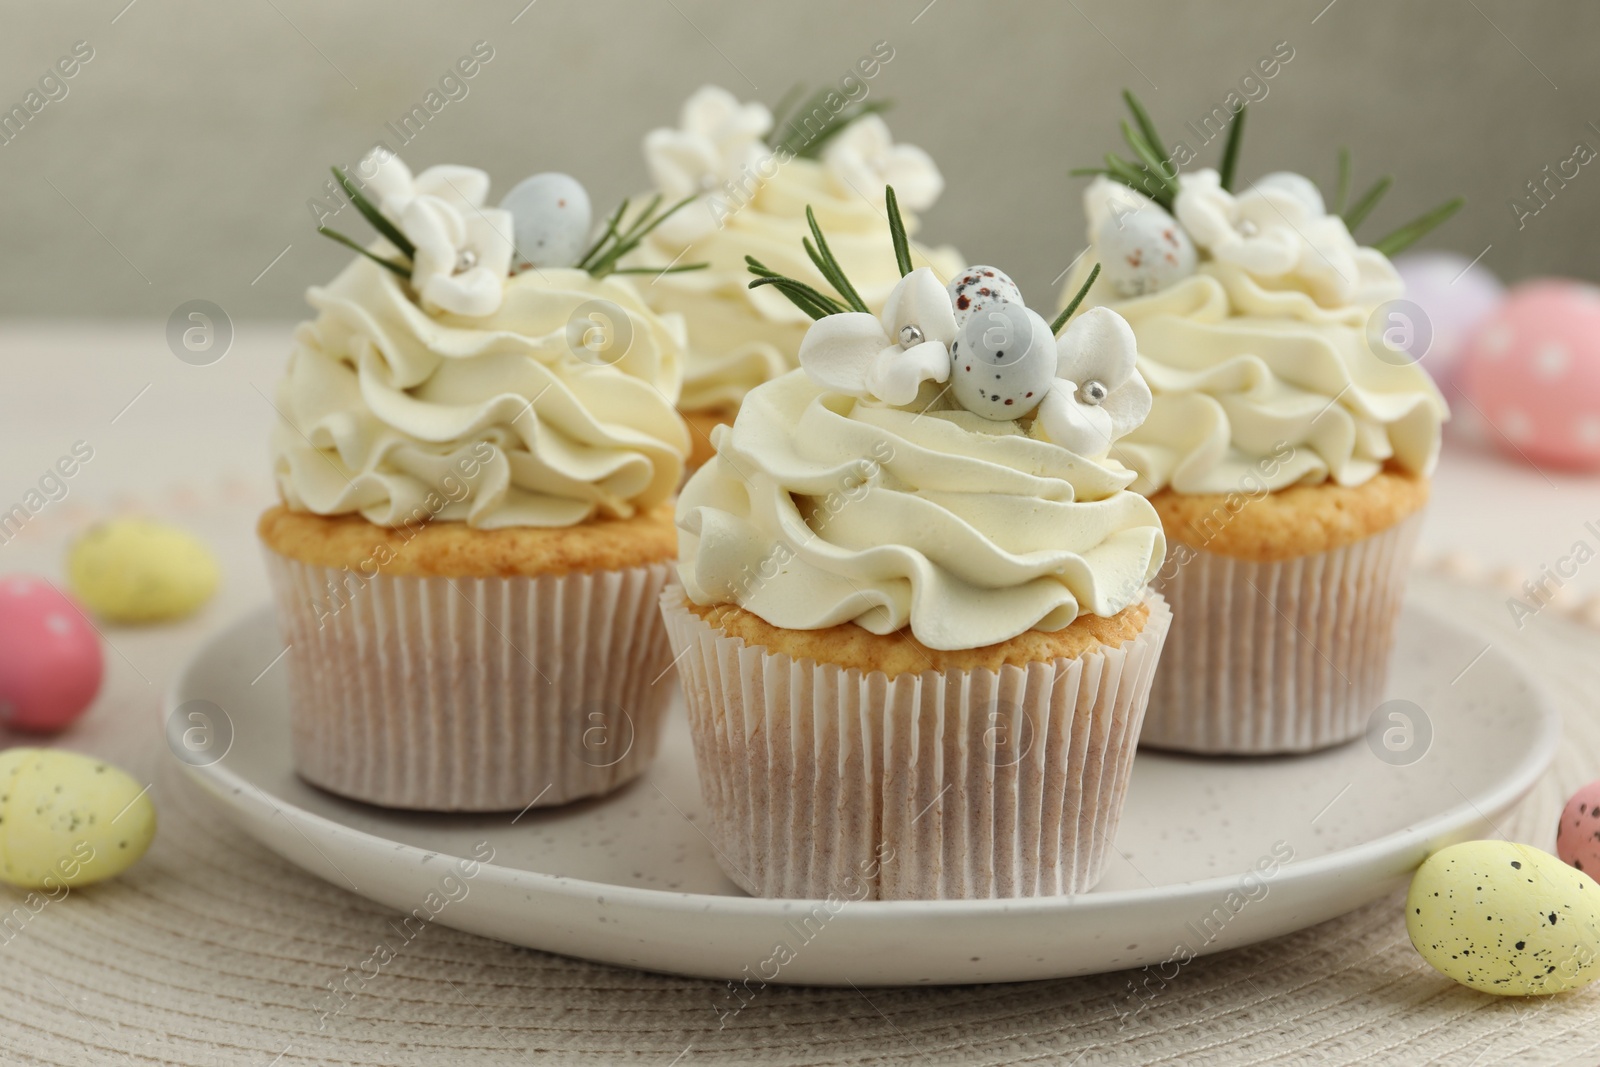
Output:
(1142, 117)
(1151, 159)
(1342, 192)
(1418, 228)
(1072, 305)
(399, 268)
(795, 135)
(1369, 200)
(829, 265)
(897, 231)
(1230, 150)
(610, 232)
(374, 216)
(633, 237)
(759, 268)
(642, 218)
(802, 296)
(661, 270)
(1139, 180)
(813, 147)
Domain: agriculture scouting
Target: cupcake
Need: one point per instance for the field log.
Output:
(751, 177)
(475, 455)
(913, 626)
(1288, 449)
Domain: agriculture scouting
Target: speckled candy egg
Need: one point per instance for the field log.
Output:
(1506, 918)
(67, 819)
(551, 219)
(980, 287)
(1002, 362)
(139, 570)
(1532, 368)
(1144, 251)
(1578, 834)
(50, 658)
(1456, 294)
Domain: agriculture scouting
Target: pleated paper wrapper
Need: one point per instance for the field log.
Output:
(821, 780)
(1287, 656)
(472, 694)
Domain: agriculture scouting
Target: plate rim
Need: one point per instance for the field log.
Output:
(219, 781)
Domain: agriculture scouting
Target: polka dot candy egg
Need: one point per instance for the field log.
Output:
(980, 287)
(1002, 362)
(1506, 918)
(1533, 370)
(1578, 835)
(68, 819)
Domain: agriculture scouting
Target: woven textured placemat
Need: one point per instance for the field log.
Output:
(214, 951)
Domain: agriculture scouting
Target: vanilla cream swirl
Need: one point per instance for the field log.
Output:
(740, 337)
(401, 416)
(821, 509)
(1256, 384)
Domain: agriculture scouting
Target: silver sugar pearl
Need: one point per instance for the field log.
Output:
(1092, 392)
(466, 261)
(910, 335)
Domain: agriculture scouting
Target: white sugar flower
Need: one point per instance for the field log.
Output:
(463, 249)
(885, 356)
(863, 158)
(717, 141)
(1098, 395)
(1279, 226)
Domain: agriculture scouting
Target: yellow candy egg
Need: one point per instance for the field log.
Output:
(69, 820)
(1506, 918)
(137, 570)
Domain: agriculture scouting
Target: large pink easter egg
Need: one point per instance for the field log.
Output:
(1578, 836)
(50, 658)
(1532, 368)
(1457, 294)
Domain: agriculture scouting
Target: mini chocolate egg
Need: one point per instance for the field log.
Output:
(1578, 833)
(979, 287)
(1144, 251)
(551, 218)
(67, 819)
(1532, 367)
(1002, 362)
(1506, 918)
(138, 570)
(50, 658)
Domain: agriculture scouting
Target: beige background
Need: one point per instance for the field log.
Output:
(193, 139)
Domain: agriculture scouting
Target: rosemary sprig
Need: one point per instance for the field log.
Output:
(801, 295)
(609, 232)
(897, 231)
(1367, 201)
(1393, 243)
(1072, 305)
(679, 269)
(1153, 163)
(399, 268)
(603, 260)
(791, 135)
(1342, 191)
(1147, 126)
(780, 110)
(370, 212)
(823, 257)
(1230, 150)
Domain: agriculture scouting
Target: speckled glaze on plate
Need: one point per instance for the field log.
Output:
(629, 879)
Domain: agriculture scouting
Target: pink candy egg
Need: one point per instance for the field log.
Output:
(1457, 295)
(1578, 836)
(50, 658)
(1532, 368)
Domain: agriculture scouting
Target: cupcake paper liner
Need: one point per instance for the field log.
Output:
(1271, 657)
(824, 782)
(472, 694)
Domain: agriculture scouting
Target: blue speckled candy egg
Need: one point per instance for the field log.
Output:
(1002, 361)
(551, 216)
(1144, 251)
(1506, 918)
(979, 287)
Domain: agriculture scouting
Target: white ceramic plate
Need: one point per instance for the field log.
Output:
(630, 879)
